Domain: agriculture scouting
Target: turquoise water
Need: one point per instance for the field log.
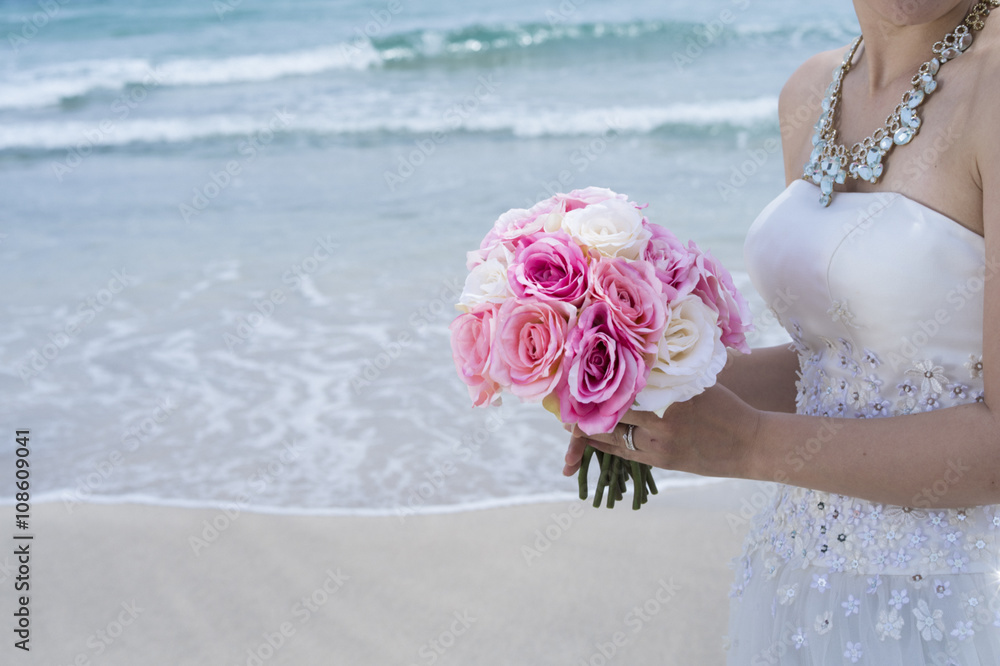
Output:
(232, 232)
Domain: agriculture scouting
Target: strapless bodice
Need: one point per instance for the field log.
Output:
(883, 298)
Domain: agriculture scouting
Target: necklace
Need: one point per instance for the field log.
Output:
(831, 162)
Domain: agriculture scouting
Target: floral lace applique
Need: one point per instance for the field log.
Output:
(839, 311)
(836, 533)
(975, 366)
(855, 385)
(796, 334)
(931, 377)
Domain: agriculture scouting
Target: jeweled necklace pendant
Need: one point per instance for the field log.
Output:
(831, 163)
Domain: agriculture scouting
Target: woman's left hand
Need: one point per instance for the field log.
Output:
(712, 434)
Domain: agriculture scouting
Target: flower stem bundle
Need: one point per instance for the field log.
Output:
(613, 478)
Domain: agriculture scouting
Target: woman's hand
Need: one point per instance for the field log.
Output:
(712, 434)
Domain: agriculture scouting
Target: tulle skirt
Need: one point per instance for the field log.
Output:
(810, 616)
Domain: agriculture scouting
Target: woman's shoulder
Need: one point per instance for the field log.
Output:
(979, 134)
(809, 81)
(800, 103)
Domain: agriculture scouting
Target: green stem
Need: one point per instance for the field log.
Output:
(602, 480)
(637, 486)
(584, 469)
(616, 469)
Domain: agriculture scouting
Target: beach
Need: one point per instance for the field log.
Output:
(540, 583)
(234, 235)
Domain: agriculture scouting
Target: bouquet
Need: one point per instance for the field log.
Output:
(582, 304)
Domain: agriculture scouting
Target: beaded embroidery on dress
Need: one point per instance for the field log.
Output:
(883, 298)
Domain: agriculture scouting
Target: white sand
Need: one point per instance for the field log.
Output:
(122, 585)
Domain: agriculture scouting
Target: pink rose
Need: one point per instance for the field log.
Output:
(603, 372)
(674, 263)
(715, 287)
(635, 295)
(518, 223)
(585, 197)
(528, 347)
(471, 339)
(552, 267)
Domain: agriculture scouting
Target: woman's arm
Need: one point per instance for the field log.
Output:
(944, 458)
(765, 378)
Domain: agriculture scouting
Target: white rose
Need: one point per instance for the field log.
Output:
(690, 356)
(613, 227)
(487, 282)
(553, 221)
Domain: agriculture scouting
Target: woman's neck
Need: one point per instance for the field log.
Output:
(892, 52)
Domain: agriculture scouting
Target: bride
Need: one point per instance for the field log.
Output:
(880, 424)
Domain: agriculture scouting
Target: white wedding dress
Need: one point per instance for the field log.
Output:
(883, 298)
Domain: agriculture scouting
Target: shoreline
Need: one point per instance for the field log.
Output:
(552, 583)
(56, 498)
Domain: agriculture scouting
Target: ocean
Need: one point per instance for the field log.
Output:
(233, 232)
